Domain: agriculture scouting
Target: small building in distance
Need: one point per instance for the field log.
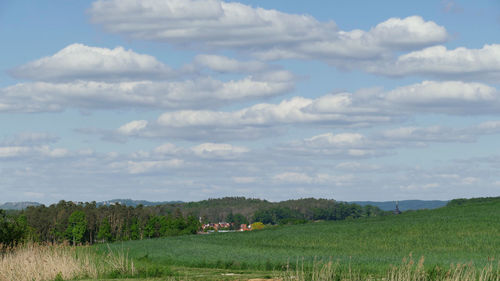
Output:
(396, 211)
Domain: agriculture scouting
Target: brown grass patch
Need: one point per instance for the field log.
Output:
(45, 262)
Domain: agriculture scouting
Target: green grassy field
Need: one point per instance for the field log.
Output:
(453, 234)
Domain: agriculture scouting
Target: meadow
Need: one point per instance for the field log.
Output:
(455, 234)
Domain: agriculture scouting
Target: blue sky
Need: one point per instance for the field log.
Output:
(195, 99)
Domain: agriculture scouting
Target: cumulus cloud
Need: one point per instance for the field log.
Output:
(437, 61)
(141, 167)
(353, 145)
(261, 119)
(342, 145)
(199, 93)
(267, 34)
(349, 144)
(170, 156)
(87, 78)
(132, 127)
(413, 135)
(428, 134)
(167, 166)
(448, 97)
(341, 110)
(218, 150)
(44, 151)
(206, 150)
(81, 62)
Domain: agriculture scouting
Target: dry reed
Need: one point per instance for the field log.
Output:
(409, 270)
(36, 262)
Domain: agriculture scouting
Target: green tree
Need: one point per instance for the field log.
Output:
(12, 231)
(104, 233)
(77, 225)
(135, 232)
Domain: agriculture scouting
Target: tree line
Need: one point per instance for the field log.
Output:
(89, 223)
(217, 209)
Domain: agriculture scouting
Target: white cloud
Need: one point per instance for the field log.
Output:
(78, 61)
(303, 178)
(167, 148)
(199, 93)
(428, 134)
(448, 97)
(342, 110)
(166, 167)
(53, 153)
(339, 140)
(133, 127)
(32, 151)
(409, 32)
(438, 61)
(86, 77)
(420, 187)
(261, 119)
(13, 151)
(243, 180)
(37, 195)
(342, 145)
(489, 127)
(293, 177)
(354, 145)
(357, 167)
(141, 167)
(218, 150)
(209, 151)
(294, 110)
(470, 180)
(267, 34)
(168, 156)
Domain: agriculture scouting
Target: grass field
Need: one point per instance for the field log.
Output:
(468, 233)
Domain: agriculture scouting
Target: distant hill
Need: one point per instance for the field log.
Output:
(237, 202)
(404, 205)
(18, 205)
(135, 203)
(126, 202)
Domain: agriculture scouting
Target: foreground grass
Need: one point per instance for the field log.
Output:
(36, 262)
(450, 235)
(409, 270)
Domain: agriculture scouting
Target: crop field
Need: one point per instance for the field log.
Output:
(464, 234)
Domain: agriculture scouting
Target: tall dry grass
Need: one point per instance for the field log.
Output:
(408, 270)
(37, 262)
(415, 271)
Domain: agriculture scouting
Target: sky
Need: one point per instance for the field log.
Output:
(194, 99)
